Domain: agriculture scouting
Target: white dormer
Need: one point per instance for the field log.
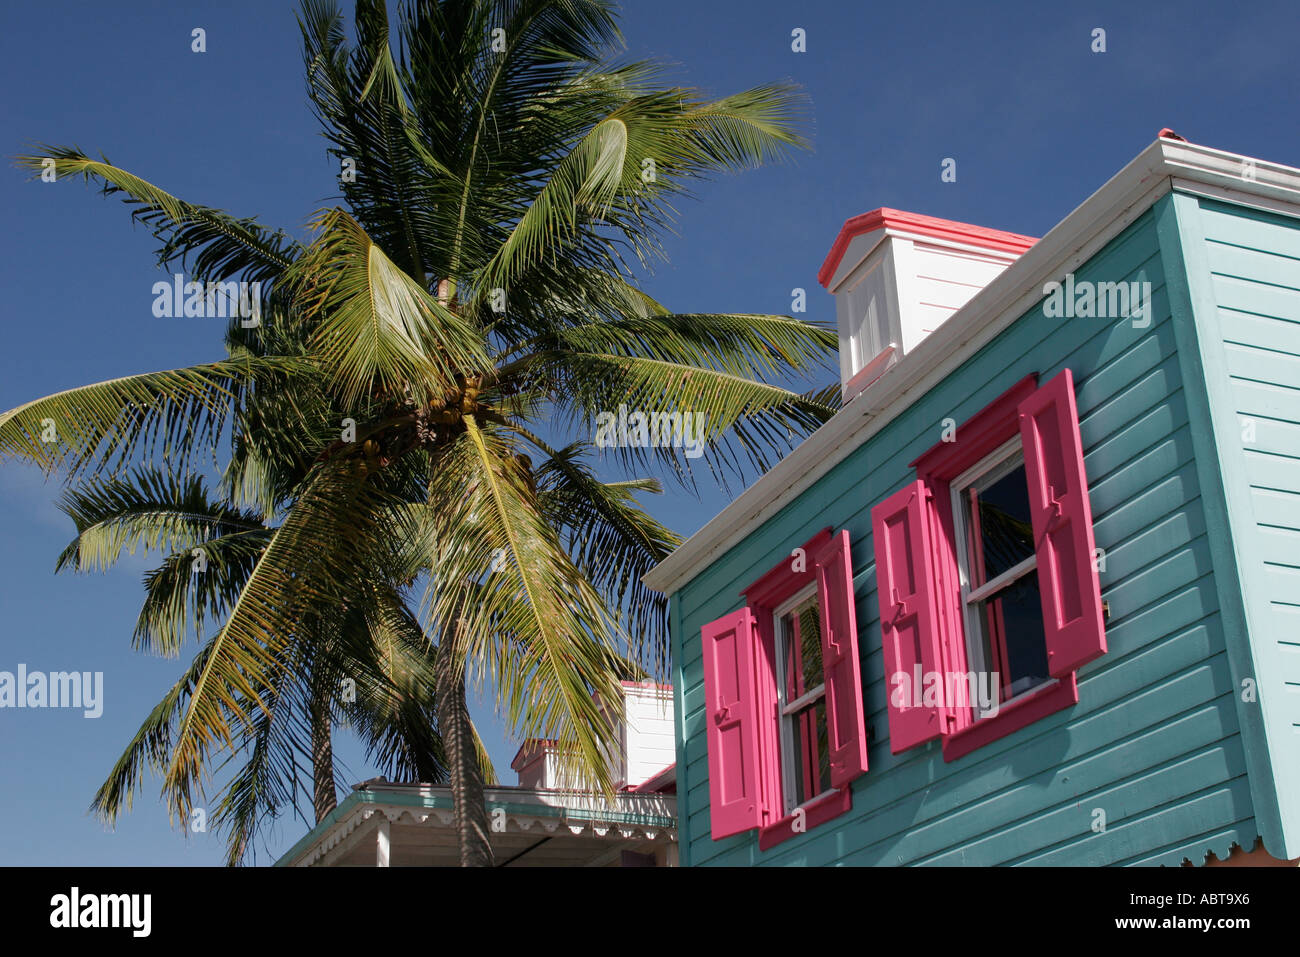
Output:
(897, 276)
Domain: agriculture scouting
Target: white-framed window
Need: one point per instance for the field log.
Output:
(985, 570)
(783, 690)
(801, 700)
(1000, 601)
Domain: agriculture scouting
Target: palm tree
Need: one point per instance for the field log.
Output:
(366, 662)
(447, 343)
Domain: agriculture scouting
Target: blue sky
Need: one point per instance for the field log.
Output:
(1035, 120)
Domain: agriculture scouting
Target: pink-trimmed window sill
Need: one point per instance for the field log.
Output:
(875, 367)
(817, 812)
(1021, 713)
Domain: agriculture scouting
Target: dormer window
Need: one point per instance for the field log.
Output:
(867, 318)
(898, 276)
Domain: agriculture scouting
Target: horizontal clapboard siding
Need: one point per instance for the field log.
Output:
(1153, 744)
(1253, 260)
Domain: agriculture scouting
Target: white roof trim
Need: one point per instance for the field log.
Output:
(629, 816)
(343, 836)
(1073, 241)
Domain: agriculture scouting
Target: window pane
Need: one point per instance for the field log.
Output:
(802, 642)
(812, 760)
(1012, 622)
(1001, 534)
(865, 322)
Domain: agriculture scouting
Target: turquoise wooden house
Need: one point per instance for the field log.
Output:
(1033, 595)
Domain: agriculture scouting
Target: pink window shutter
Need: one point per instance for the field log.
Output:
(840, 666)
(909, 620)
(731, 720)
(1062, 520)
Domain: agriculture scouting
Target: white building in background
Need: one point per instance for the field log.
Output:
(644, 744)
(543, 821)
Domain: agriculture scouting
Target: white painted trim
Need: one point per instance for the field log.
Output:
(1073, 241)
(877, 366)
(805, 699)
(1017, 571)
(902, 286)
(347, 833)
(790, 604)
(857, 273)
(785, 709)
(997, 461)
(1230, 194)
(383, 842)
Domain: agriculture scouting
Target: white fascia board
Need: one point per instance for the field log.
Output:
(1072, 242)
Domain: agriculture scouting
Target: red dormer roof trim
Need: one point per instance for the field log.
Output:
(885, 217)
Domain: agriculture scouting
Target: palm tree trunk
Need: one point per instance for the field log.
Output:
(322, 758)
(465, 774)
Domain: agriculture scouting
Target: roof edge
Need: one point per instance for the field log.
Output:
(886, 218)
(570, 806)
(1098, 219)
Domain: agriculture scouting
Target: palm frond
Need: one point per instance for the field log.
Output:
(623, 172)
(528, 618)
(340, 523)
(214, 244)
(171, 415)
(150, 746)
(148, 509)
(675, 410)
(359, 98)
(377, 328)
(613, 541)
